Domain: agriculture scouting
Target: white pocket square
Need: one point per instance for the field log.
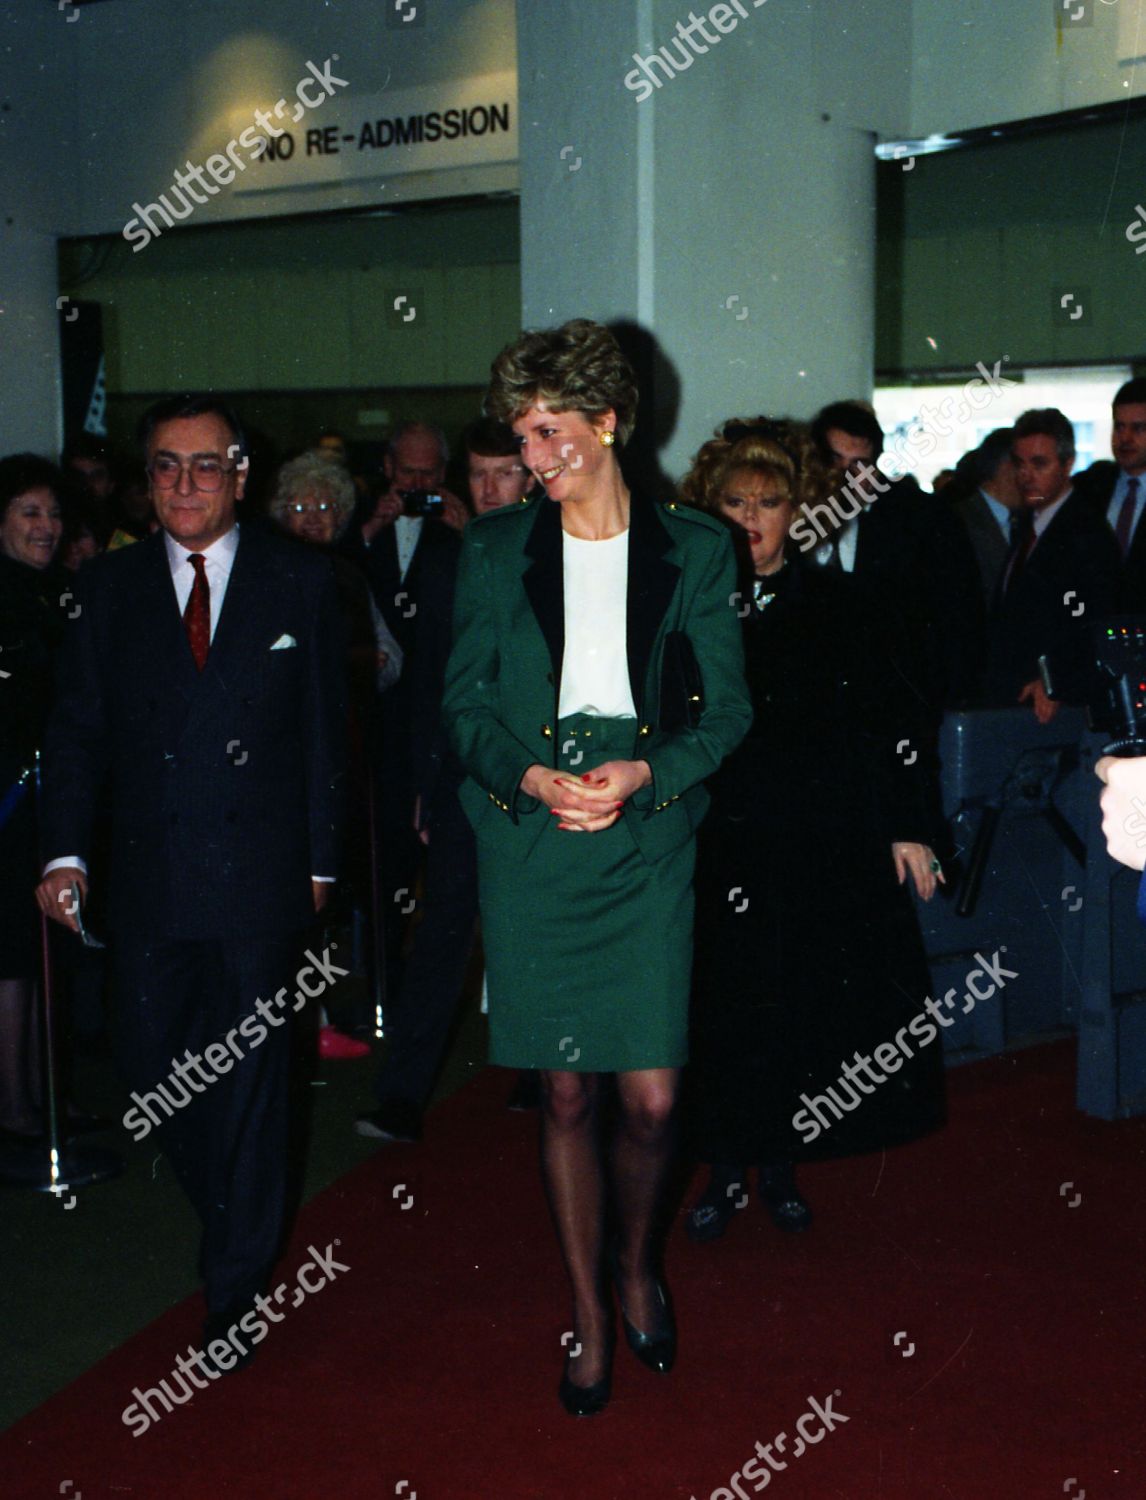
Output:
(284, 643)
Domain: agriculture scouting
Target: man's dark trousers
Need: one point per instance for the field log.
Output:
(227, 1143)
(443, 942)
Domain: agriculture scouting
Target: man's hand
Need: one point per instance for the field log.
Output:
(454, 512)
(1123, 804)
(1045, 708)
(589, 803)
(320, 891)
(54, 895)
(387, 509)
(916, 860)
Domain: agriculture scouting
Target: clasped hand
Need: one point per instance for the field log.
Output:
(591, 802)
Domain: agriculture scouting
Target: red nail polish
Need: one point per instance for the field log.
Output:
(586, 777)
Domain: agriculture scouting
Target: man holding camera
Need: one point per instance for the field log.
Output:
(412, 537)
(393, 544)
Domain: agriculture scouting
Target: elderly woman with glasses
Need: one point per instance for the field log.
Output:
(313, 499)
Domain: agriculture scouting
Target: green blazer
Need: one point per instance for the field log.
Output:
(503, 681)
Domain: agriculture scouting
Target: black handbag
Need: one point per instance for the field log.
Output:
(682, 687)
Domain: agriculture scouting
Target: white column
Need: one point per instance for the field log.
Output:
(29, 345)
(710, 175)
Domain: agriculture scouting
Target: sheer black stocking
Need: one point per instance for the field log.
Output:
(571, 1166)
(642, 1153)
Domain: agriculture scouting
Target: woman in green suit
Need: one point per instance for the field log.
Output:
(596, 679)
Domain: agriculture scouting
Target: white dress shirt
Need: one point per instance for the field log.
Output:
(219, 558)
(845, 547)
(407, 530)
(1044, 517)
(595, 670)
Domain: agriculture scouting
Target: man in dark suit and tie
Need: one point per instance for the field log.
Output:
(1118, 491)
(1060, 576)
(203, 680)
(427, 1001)
(986, 512)
(397, 548)
(910, 557)
(393, 543)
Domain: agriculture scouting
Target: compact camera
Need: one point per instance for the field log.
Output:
(421, 503)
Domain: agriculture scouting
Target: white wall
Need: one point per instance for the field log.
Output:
(984, 62)
(730, 213)
(37, 191)
(162, 82)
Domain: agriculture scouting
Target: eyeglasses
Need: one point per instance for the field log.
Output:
(322, 508)
(207, 474)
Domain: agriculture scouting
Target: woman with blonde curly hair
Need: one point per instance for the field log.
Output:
(808, 946)
(595, 681)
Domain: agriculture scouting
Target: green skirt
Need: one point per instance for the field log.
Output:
(588, 946)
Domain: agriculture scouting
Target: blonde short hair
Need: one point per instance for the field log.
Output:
(779, 448)
(577, 367)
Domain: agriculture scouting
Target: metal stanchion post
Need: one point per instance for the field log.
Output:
(377, 927)
(54, 1166)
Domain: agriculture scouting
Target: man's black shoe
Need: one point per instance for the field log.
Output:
(397, 1120)
(225, 1326)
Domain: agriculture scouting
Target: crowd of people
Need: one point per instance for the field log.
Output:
(380, 682)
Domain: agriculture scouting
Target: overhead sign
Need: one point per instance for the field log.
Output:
(472, 122)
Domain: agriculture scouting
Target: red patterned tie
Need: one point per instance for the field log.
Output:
(1126, 515)
(197, 615)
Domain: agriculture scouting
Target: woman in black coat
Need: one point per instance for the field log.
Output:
(34, 595)
(808, 946)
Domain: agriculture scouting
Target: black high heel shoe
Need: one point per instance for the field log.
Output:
(589, 1400)
(655, 1350)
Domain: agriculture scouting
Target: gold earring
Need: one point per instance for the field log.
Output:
(608, 439)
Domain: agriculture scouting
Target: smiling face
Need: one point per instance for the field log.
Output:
(1043, 477)
(755, 501)
(194, 517)
(1128, 440)
(316, 522)
(31, 528)
(563, 450)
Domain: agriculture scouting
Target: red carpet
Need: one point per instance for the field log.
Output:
(428, 1369)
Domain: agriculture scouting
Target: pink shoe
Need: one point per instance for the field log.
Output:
(336, 1046)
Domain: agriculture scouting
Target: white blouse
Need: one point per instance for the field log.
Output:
(595, 671)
